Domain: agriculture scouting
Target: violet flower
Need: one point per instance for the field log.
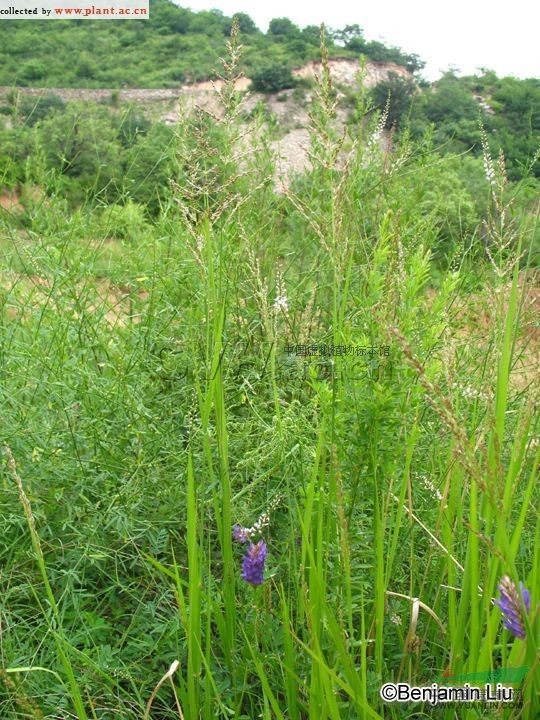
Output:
(511, 606)
(253, 563)
(240, 534)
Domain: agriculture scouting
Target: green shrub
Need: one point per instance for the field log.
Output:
(399, 92)
(272, 78)
(124, 222)
(33, 110)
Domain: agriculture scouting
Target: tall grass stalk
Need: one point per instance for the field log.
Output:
(55, 627)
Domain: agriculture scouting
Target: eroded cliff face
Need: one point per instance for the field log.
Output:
(344, 71)
(289, 107)
(241, 84)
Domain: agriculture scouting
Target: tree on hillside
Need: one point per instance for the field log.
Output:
(311, 34)
(169, 18)
(517, 122)
(358, 45)
(450, 100)
(380, 52)
(210, 22)
(283, 29)
(245, 24)
(349, 34)
(398, 92)
(452, 109)
(82, 145)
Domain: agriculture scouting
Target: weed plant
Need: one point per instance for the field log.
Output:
(293, 371)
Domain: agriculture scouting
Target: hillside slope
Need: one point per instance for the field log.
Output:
(173, 47)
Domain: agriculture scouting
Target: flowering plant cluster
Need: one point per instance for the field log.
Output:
(253, 563)
(254, 559)
(511, 606)
(243, 534)
(281, 302)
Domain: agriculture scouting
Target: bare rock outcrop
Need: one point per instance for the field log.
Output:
(345, 71)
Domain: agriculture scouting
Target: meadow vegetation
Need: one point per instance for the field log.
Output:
(174, 46)
(347, 371)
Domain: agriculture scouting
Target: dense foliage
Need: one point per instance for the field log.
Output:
(344, 372)
(177, 46)
(352, 37)
(86, 150)
(457, 107)
(111, 154)
(272, 79)
(174, 46)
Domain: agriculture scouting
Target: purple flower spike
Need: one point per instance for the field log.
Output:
(253, 563)
(511, 608)
(240, 534)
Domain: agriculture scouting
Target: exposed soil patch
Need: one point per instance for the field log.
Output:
(345, 71)
(477, 317)
(10, 200)
(116, 305)
(289, 107)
